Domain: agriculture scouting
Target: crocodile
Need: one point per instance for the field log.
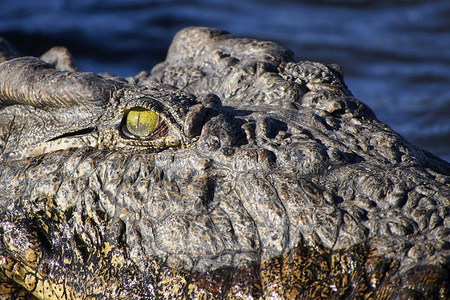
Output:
(229, 171)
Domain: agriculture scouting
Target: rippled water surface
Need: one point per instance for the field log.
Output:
(395, 54)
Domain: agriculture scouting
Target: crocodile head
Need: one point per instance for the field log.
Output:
(230, 171)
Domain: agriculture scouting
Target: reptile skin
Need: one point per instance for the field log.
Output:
(265, 178)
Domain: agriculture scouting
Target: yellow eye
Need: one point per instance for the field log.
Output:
(141, 122)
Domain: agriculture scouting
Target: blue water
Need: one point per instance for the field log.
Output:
(395, 54)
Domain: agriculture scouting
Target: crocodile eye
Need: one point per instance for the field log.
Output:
(141, 122)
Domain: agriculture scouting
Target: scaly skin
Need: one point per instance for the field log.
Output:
(266, 179)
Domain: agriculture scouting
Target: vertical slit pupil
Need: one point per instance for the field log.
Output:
(141, 122)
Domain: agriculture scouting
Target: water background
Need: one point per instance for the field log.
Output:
(395, 54)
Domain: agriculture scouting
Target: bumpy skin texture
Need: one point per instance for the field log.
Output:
(269, 180)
